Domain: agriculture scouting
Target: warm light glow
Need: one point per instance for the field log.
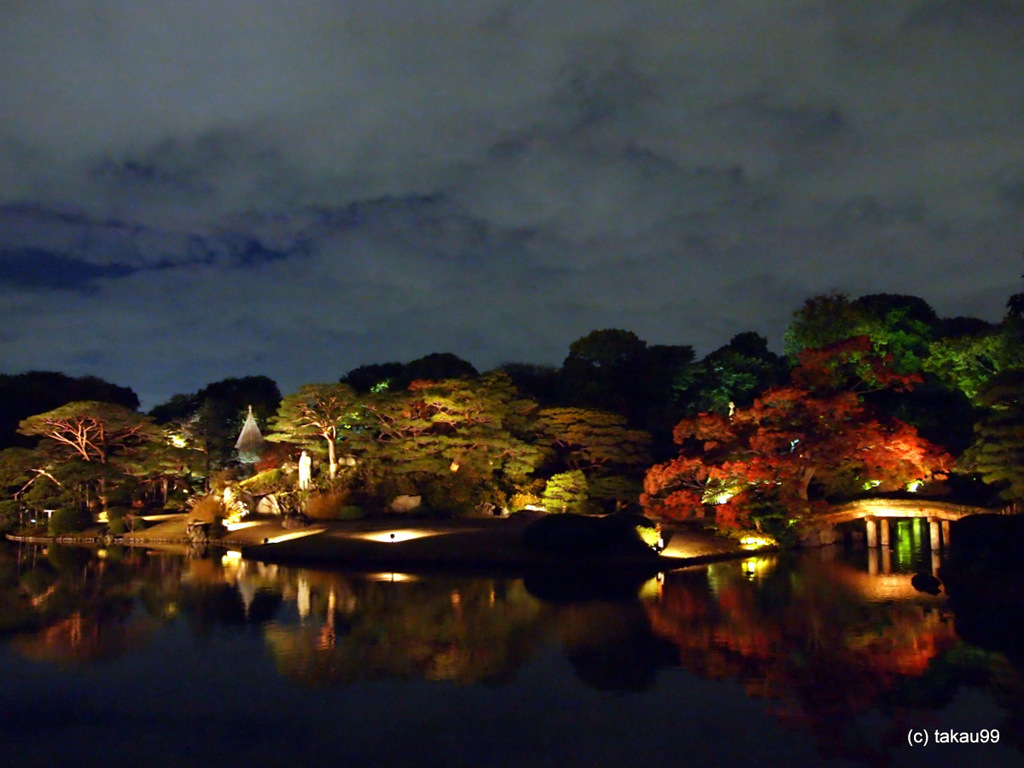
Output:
(454, 466)
(914, 486)
(294, 535)
(757, 541)
(755, 567)
(240, 526)
(651, 589)
(393, 577)
(231, 557)
(399, 534)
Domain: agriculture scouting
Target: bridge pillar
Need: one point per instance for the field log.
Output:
(933, 523)
(872, 532)
(945, 533)
(873, 561)
(883, 524)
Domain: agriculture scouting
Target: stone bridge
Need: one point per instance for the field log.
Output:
(876, 514)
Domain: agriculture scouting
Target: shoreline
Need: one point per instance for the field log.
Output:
(406, 543)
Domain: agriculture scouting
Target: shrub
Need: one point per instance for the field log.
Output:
(207, 509)
(327, 506)
(522, 500)
(270, 481)
(69, 520)
(351, 512)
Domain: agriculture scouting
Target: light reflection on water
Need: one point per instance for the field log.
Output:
(820, 655)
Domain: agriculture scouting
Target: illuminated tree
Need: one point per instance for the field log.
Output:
(105, 440)
(462, 439)
(764, 459)
(317, 414)
(566, 492)
(968, 361)
(91, 431)
(593, 441)
(601, 445)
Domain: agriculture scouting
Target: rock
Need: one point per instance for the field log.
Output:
(406, 503)
(818, 535)
(269, 505)
(925, 582)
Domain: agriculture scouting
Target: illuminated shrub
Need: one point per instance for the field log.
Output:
(207, 510)
(331, 506)
(263, 483)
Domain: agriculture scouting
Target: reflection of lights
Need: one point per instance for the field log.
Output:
(757, 541)
(392, 577)
(651, 589)
(391, 537)
(231, 557)
(293, 535)
(240, 526)
(755, 567)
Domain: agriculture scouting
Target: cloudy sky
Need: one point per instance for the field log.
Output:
(197, 189)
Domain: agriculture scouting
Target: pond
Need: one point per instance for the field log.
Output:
(829, 657)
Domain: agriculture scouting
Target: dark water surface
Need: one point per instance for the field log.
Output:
(826, 658)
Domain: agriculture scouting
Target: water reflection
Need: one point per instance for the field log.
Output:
(846, 652)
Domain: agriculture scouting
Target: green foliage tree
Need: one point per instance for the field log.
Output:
(601, 445)
(316, 417)
(462, 438)
(900, 327)
(601, 370)
(734, 374)
(997, 453)
(566, 492)
(968, 361)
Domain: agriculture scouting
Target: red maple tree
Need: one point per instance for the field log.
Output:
(816, 430)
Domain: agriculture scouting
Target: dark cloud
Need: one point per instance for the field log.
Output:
(192, 190)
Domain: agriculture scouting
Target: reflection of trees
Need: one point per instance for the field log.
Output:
(610, 645)
(80, 606)
(464, 630)
(801, 638)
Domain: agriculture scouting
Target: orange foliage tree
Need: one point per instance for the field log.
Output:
(759, 463)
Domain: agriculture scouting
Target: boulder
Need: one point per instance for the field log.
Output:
(406, 503)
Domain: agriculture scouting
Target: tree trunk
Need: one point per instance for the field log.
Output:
(806, 475)
(332, 458)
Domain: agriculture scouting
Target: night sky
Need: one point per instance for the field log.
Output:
(197, 189)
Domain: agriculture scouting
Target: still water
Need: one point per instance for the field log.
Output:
(824, 658)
